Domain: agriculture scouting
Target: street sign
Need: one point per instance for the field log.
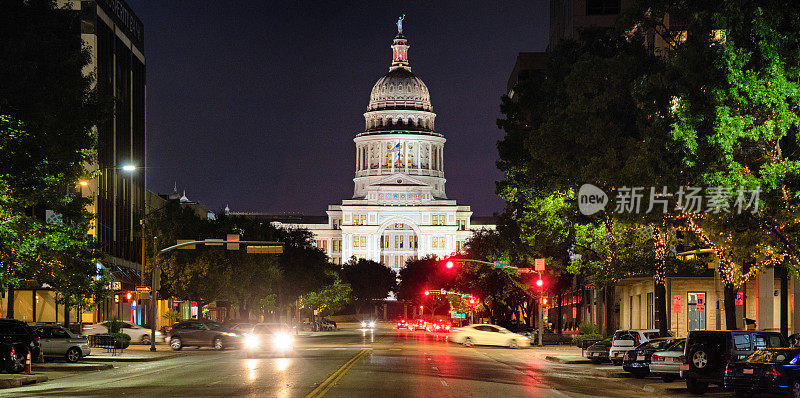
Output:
(214, 242)
(538, 264)
(701, 302)
(232, 238)
(739, 298)
(676, 303)
(116, 285)
(525, 270)
(500, 264)
(187, 247)
(142, 289)
(265, 249)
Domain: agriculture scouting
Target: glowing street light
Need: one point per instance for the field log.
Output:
(83, 183)
(129, 168)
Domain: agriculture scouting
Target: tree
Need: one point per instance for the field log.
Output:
(47, 110)
(370, 281)
(329, 299)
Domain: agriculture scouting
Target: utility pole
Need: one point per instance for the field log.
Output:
(153, 296)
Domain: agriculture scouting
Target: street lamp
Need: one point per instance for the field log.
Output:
(129, 168)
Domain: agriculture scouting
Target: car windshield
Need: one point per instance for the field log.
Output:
(215, 326)
(772, 356)
(677, 345)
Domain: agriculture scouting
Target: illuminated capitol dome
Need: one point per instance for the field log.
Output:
(399, 209)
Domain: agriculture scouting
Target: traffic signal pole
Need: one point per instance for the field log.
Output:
(153, 287)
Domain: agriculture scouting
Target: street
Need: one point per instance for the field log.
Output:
(359, 363)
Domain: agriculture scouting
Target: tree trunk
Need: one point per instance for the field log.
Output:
(10, 306)
(730, 306)
(660, 302)
(608, 303)
(558, 302)
(66, 314)
(784, 301)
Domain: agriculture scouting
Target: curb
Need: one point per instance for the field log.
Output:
(567, 361)
(130, 359)
(68, 367)
(17, 380)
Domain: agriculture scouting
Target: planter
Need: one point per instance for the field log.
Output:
(115, 341)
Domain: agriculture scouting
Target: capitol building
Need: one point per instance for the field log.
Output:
(399, 209)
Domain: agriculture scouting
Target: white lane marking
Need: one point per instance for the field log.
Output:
(444, 383)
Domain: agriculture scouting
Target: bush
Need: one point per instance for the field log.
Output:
(114, 326)
(116, 340)
(587, 328)
(585, 340)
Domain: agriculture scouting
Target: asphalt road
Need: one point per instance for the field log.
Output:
(354, 363)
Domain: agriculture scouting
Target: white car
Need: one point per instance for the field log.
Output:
(138, 334)
(625, 340)
(483, 334)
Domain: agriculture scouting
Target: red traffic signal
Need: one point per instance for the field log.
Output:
(539, 282)
(422, 306)
(471, 301)
(128, 296)
(449, 264)
(427, 293)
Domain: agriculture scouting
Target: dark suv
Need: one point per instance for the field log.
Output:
(16, 340)
(200, 333)
(707, 353)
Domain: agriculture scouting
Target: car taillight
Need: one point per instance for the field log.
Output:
(86, 328)
(12, 351)
(37, 339)
(681, 359)
(773, 372)
(656, 358)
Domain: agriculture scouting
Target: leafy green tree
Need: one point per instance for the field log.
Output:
(329, 299)
(370, 281)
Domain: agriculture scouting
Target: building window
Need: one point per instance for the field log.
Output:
(438, 219)
(364, 241)
(413, 242)
(696, 311)
(602, 7)
(337, 223)
(398, 225)
(438, 242)
(462, 224)
(359, 219)
(459, 246)
(323, 244)
(337, 245)
(356, 242)
(650, 311)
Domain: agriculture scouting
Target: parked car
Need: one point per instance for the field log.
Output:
(624, 340)
(598, 352)
(520, 328)
(667, 362)
(58, 341)
(201, 333)
(138, 333)
(483, 334)
(637, 360)
(21, 336)
(268, 337)
(328, 325)
(708, 352)
(773, 370)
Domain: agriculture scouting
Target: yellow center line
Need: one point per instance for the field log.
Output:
(326, 385)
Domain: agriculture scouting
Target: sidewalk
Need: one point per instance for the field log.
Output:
(134, 353)
(17, 380)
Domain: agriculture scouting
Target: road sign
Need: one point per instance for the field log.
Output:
(214, 242)
(701, 302)
(525, 270)
(187, 247)
(538, 264)
(739, 298)
(142, 289)
(500, 264)
(676, 303)
(265, 249)
(232, 238)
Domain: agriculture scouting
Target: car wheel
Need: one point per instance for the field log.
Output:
(667, 378)
(146, 339)
(696, 387)
(73, 355)
(468, 342)
(218, 344)
(513, 344)
(176, 343)
(17, 364)
(700, 360)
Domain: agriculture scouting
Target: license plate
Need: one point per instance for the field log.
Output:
(684, 366)
(747, 371)
(596, 354)
(640, 357)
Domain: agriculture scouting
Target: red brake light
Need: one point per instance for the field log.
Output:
(655, 358)
(773, 372)
(12, 350)
(86, 328)
(681, 359)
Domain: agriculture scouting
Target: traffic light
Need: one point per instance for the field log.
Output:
(539, 282)
(471, 301)
(544, 300)
(427, 292)
(128, 296)
(449, 264)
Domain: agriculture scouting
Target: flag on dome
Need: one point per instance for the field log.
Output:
(396, 148)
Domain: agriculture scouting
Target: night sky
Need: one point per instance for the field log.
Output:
(255, 104)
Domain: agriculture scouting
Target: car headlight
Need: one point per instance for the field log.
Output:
(282, 341)
(252, 341)
(158, 333)
(372, 324)
(363, 324)
(229, 334)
